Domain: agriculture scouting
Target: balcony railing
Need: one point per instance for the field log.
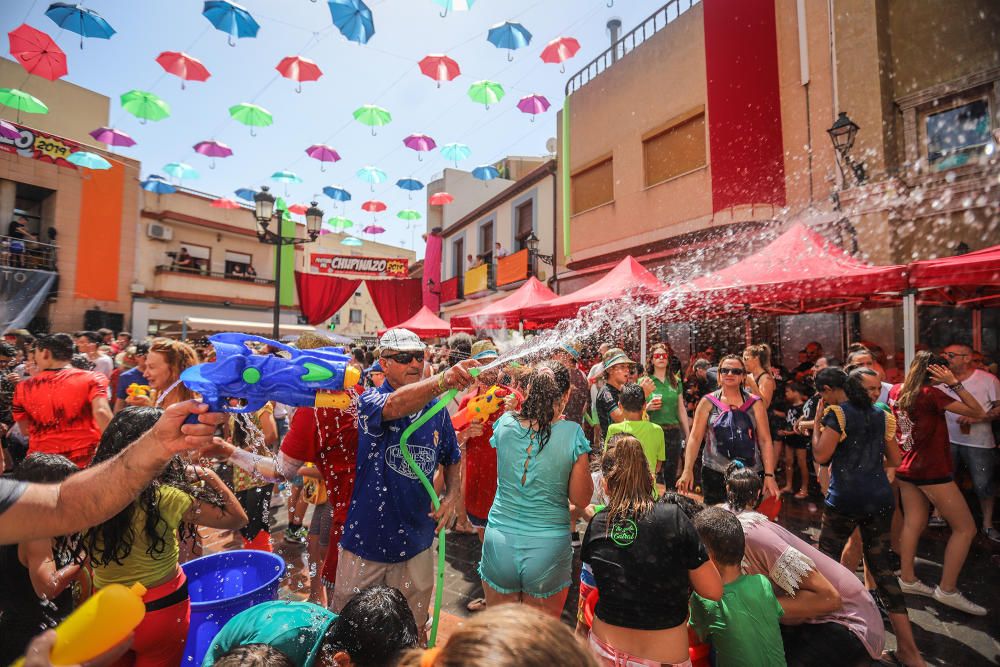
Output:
(205, 273)
(665, 15)
(513, 268)
(25, 254)
(480, 280)
(451, 290)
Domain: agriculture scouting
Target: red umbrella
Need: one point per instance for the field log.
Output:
(299, 69)
(183, 66)
(37, 53)
(440, 199)
(560, 50)
(222, 202)
(373, 206)
(298, 209)
(440, 68)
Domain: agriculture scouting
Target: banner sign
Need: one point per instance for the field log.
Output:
(364, 266)
(40, 146)
(22, 293)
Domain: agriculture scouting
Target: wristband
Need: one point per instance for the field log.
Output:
(441, 386)
(769, 474)
(957, 387)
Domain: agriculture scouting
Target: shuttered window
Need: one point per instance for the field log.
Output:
(676, 150)
(593, 186)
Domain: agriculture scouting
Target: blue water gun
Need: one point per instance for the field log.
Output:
(313, 378)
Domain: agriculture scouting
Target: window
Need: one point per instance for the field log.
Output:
(593, 186)
(486, 241)
(201, 257)
(524, 223)
(336, 319)
(237, 262)
(957, 135)
(674, 151)
(458, 256)
(355, 316)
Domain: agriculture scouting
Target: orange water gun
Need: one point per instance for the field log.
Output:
(481, 408)
(135, 389)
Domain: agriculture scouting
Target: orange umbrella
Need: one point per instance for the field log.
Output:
(37, 53)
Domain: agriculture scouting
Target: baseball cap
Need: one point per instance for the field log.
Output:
(484, 349)
(400, 340)
(375, 368)
(615, 357)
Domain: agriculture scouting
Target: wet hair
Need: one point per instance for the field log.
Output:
(82, 362)
(761, 352)
(854, 387)
(703, 363)
(686, 504)
(42, 468)
(254, 655)
(547, 384)
(374, 628)
(632, 397)
(59, 345)
(833, 377)
(917, 377)
(7, 350)
(459, 348)
(141, 349)
(510, 635)
(179, 356)
(630, 482)
(111, 541)
(721, 533)
(743, 487)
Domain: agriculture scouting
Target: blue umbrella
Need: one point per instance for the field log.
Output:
(286, 177)
(232, 19)
(372, 175)
(353, 19)
(246, 194)
(337, 193)
(179, 170)
(88, 160)
(410, 184)
(510, 36)
(155, 183)
(84, 22)
(455, 152)
(485, 173)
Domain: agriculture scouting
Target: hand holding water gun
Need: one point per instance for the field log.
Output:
(481, 408)
(136, 390)
(317, 378)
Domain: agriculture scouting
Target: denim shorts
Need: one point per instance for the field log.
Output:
(536, 566)
(980, 462)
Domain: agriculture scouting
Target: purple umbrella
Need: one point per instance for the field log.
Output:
(420, 143)
(112, 137)
(9, 130)
(213, 149)
(373, 229)
(323, 153)
(533, 104)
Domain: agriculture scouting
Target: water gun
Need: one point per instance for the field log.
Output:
(98, 625)
(316, 378)
(480, 408)
(134, 390)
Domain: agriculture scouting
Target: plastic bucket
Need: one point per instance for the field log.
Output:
(221, 586)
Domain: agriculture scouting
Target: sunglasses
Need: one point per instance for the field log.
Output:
(404, 357)
(731, 371)
(660, 355)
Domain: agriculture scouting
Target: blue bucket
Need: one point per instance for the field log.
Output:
(221, 586)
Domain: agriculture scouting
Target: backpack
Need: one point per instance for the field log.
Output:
(734, 430)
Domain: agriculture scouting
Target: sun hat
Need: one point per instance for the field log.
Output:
(572, 348)
(615, 357)
(483, 349)
(400, 340)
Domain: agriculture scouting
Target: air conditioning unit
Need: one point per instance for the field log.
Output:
(159, 232)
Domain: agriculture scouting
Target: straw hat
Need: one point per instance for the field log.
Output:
(615, 357)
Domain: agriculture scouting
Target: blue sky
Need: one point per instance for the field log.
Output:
(382, 72)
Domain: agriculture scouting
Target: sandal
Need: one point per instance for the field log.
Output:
(479, 604)
(802, 495)
(889, 657)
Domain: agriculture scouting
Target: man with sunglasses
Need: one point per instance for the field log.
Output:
(391, 524)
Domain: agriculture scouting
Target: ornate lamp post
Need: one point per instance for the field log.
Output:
(842, 134)
(534, 256)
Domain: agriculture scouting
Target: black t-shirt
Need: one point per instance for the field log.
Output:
(641, 567)
(607, 402)
(16, 230)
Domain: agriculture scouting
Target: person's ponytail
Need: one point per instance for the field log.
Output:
(854, 387)
(547, 384)
(630, 482)
(743, 487)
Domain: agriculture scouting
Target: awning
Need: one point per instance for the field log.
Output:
(425, 324)
(969, 279)
(507, 312)
(201, 325)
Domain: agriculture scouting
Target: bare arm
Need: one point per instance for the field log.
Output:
(825, 446)
(706, 582)
(231, 515)
(102, 412)
(815, 596)
(766, 448)
(269, 428)
(581, 484)
(967, 406)
(46, 579)
(682, 415)
(412, 397)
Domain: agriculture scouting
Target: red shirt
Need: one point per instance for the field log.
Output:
(922, 433)
(327, 437)
(56, 406)
(480, 466)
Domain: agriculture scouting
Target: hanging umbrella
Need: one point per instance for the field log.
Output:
(80, 20)
(420, 143)
(486, 92)
(112, 137)
(323, 153)
(455, 152)
(37, 53)
(440, 68)
(533, 104)
(337, 193)
(222, 202)
(373, 206)
(408, 214)
(156, 184)
(181, 171)
(232, 19)
(299, 69)
(486, 173)
(286, 177)
(373, 116)
(88, 160)
(298, 209)
(455, 6)
(9, 131)
(372, 175)
(246, 194)
(509, 36)
(373, 229)
(559, 50)
(411, 185)
(353, 19)
(351, 241)
(251, 115)
(21, 101)
(440, 199)
(183, 66)
(213, 149)
(340, 223)
(145, 106)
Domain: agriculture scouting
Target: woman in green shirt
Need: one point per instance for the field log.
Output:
(665, 408)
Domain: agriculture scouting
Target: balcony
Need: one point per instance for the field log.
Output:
(480, 281)
(451, 291)
(178, 282)
(25, 254)
(513, 268)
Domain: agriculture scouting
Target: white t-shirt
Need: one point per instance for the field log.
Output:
(104, 365)
(985, 388)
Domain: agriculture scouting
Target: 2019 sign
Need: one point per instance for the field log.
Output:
(40, 146)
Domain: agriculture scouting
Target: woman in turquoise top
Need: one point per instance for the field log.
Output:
(542, 467)
(665, 408)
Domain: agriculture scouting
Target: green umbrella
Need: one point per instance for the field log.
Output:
(252, 115)
(22, 101)
(408, 214)
(486, 92)
(145, 106)
(338, 222)
(373, 116)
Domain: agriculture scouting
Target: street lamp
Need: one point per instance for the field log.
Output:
(531, 242)
(842, 134)
(264, 211)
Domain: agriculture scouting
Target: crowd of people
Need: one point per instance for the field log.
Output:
(666, 480)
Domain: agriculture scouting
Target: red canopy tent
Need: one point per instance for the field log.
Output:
(425, 324)
(628, 277)
(964, 280)
(506, 312)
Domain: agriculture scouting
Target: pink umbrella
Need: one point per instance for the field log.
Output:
(213, 149)
(440, 199)
(559, 50)
(420, 143)
(373, 229)
(9, 130)
(323, 153)
(533, 104)
(180, 64)
(440, 68)
(373, 206)
(222, 202)
(299, 69)
(112, 137)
